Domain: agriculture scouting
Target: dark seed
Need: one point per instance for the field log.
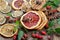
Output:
(37, 2)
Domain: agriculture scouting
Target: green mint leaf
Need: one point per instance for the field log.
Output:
(51, 23)
(20, 34)
(58, 21)
(49, 31)
(17, 23)
(9, 14)
(56, 2)
(57, 30)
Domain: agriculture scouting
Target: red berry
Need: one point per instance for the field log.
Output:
(48, 7)
(15, 19)
(40, 37)
(54, 10)
(7, 17)
(10, 21)
(46, 26)
(43, 32)
(37, 35)
(49, 37)
(14, 37)
(33, 35)
(25, 35)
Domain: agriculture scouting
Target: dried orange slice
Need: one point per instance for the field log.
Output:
(18, 4)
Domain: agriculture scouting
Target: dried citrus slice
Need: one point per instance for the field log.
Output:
(43, 22)
(3, 4)
(30, 20)
(6, 10)
(7, 30)
(2, 19)
(17, 4)
(37, 4)
(17, 13)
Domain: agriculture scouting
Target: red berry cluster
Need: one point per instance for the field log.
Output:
(39, 36)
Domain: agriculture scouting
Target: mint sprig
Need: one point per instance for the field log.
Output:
(20, 34)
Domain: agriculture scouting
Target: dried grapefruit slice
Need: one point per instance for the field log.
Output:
(17, 4)
(30, 20)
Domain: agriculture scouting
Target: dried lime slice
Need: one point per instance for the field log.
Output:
(17, 13)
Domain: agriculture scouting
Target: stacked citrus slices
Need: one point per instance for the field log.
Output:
(37, 4)
(34, 20)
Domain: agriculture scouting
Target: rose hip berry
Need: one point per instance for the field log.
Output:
(49, 38)
(10, 21)
(14, 37)
(25, 35)
(54, 10)
(39, 36)
(33, 35)
(43, 32)
(15, 19)
(48, 7)
(7, 17)
(46, 26)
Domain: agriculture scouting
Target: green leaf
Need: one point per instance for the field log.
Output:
(9, 14)
(57, 30)
(20, 34)
(15, 28)
(51, 23)
(17, 23)
(58, 21)
(57, 2)
(52, 3)
(49, 31)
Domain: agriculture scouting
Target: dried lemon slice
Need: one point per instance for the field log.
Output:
(6, 10)
(2, 19)
(3, 4)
